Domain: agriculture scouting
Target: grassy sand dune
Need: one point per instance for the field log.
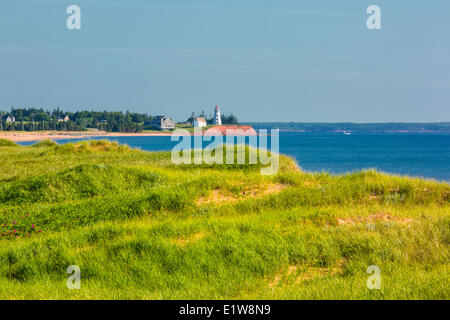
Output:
(141, 227)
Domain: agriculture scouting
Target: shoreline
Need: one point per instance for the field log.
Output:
(57, 135)
(21, 136)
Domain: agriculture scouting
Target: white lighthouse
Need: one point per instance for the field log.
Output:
(217, 118)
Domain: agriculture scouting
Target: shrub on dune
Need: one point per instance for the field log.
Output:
(44, 143)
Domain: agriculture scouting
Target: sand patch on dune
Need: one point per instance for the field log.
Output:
(299, 273)
(182, 242)
(379, 217)
(220, 196)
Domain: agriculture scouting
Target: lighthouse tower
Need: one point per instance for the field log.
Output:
(217, 118)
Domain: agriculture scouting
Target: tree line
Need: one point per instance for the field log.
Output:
(33, 119)
(38, 119)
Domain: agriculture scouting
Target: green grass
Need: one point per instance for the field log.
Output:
(140, 227)
(7, 143)
(44, 143)
(191, 129)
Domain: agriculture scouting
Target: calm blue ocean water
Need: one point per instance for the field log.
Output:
(422, 155)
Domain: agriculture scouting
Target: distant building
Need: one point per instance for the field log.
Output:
(162, 123)
(65, 119)
(217, 118)
(10, 119)
(199, 122)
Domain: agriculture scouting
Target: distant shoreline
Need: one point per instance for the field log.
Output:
(357, 128)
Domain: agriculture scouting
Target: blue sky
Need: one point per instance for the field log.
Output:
(278, 60)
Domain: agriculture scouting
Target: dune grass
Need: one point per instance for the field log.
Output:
(140, 227)
(7, 143)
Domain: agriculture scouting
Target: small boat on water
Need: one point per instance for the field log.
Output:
(346, 133)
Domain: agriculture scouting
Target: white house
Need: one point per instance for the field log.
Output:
(199, 122)
(65, 119)
(10, 119)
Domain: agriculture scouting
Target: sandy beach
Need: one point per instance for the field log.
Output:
(52, 135)
(18, 136)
